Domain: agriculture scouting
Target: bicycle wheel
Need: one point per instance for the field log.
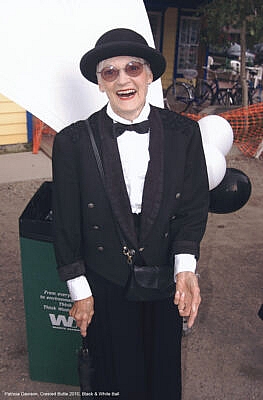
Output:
(178, 97)
(225, 97)
(203, 95)
(237, 96)
(257, 95)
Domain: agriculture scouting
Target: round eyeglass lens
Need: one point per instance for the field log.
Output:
(132, 69)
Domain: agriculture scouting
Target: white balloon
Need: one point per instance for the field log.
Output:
(216, 165)
(217, 131)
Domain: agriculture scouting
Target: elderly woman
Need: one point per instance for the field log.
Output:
(130, 210)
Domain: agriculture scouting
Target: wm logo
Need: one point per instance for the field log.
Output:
(61, 322)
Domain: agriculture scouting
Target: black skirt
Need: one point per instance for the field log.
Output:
(135, 346)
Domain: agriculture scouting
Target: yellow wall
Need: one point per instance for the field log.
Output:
(13, 123)
(169, 43)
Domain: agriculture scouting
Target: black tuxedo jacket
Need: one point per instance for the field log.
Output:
(86, 213)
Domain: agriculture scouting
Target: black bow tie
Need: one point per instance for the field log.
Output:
(142, 127)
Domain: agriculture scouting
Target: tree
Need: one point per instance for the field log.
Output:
(244, 15)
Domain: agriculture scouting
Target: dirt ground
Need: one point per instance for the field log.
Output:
(222, 357)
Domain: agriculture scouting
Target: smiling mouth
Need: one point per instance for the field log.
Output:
(126, 94)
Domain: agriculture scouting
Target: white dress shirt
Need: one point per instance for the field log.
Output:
(134, 154)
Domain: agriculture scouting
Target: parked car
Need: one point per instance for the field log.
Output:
(234, 52)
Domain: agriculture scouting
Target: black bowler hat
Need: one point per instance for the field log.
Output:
(121, 42)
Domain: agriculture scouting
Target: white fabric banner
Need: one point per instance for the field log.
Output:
(42, 42)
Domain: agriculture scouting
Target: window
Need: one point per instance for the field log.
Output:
(188, 43)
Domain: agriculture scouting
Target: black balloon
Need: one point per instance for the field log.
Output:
(231, 194)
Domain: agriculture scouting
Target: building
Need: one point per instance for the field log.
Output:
(15, 123)
(176, 29)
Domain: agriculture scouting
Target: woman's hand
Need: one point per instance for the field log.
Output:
(187, 296)
(82, 311)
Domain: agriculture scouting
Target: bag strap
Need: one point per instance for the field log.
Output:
(129, 253)
(96, 152)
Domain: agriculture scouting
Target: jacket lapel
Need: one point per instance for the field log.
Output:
(153, 185)
(114, 180)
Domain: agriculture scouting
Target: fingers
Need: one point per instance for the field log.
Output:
(180, 301)
(83, 326)
(82, 311)
(194, 310)
(192, 317)
(177, 297)
(187, 308)
(83, 321)
(187, 297)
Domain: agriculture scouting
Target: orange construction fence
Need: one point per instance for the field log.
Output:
(247, 125)
(246, 122)
(39, 129)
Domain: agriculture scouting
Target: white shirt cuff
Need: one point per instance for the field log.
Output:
(184, 263)
(79, 288)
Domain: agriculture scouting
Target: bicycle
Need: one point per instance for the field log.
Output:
(254, 89)
(221, 95)
(180, 96)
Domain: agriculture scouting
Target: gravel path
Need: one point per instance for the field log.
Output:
(222, 358)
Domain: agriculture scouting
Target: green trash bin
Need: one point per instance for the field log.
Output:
(52, 336)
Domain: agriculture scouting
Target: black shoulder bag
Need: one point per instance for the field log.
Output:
(145, 283)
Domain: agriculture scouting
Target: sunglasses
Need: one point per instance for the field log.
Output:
(132, 69)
